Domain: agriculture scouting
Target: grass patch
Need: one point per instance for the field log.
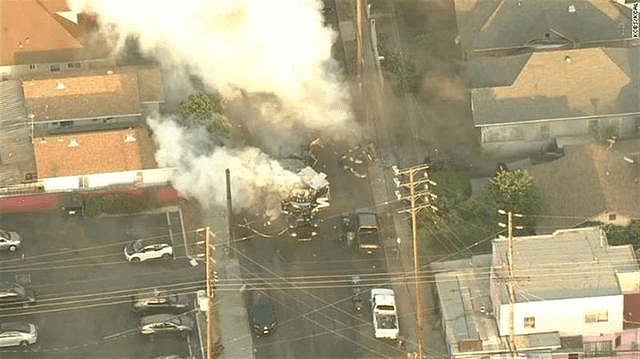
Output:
(120, 203)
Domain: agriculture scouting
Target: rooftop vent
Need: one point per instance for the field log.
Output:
(60, 85)
(572, 8)
(73, 143)
(567, 59)
(129, 137)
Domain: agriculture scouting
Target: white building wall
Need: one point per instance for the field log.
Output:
(567, 316)
(156, 176)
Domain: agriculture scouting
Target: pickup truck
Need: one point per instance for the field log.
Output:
(385, 314)
(367, 236)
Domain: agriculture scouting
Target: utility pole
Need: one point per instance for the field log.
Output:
(230, 240)
(413, 196)
(209, 259)
(511, 281)
(359, 39)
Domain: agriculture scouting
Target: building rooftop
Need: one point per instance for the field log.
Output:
(611, 182)
(570, 263)
(555, 85)
(93, 152)
(89, 95)
(31, 26)
(470, 326)
(17, 162)
(491, 24)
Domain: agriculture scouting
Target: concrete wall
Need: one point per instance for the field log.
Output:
(566, 316)
(154, 176)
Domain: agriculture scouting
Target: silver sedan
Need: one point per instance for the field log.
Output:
(10, 240)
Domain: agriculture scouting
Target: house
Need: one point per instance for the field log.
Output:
(548, 73)
(503, 27)
(590, 183)
(113, 98)
(572, 291)
(69, 43)
(96, 159)
(557, 97)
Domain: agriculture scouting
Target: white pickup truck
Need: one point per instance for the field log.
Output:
(385, 314)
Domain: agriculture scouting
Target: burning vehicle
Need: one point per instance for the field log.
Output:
(313, 195)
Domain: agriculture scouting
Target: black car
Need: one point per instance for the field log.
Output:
(263, 320)
(14, 294)
(159, 302)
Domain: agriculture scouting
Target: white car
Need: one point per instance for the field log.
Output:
(10, 240)
(17, 334)
(143, 249)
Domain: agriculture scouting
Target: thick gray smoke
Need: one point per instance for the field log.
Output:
(270, 60)
(256, 178)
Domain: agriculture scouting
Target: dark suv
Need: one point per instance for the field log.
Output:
(263, 320)
(14, 294)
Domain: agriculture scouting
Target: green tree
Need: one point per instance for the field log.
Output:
(513, 191)
(205, 110)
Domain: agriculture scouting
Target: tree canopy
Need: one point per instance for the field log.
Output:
(203, 109)
(514, 191)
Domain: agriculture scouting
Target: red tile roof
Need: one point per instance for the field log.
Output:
(29, 26)
(87, 153)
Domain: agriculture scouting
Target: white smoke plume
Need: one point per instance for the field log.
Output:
(256, 178)
(275, 46)
(271, 62)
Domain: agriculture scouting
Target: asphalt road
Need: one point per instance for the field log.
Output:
(84, 284)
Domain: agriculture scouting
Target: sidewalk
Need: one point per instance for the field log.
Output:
(399, 259)
(233, 325)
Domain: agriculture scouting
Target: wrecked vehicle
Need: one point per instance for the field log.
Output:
(356, 161)
(312, 196)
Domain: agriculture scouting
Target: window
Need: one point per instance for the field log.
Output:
(618, 341)
(612, 217)
(33, 67)
(574, 356)
(73, 65)
(54, 68)
(529, 322)
(597, 349)
(593, 126)
(596, 316)
(634, 346)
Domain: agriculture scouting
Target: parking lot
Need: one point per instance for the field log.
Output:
(84, 284)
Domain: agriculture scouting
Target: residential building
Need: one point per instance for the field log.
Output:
(69, 43)
(502, 27)
(571, 290)
(592, 183)
(527, 103)
(100, 99)
(97, 159)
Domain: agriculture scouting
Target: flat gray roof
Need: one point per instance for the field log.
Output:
(569, 263)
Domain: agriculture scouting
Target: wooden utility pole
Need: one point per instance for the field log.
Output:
(512, 291)
(511, 281)
(359, 39)
(209, 259)
(412, 197)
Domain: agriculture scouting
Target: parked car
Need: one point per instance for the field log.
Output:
(10, 240)
(166, 324)
(149, 248)
(14, 294)
(159, 302)
(17, 334)
(263, 319)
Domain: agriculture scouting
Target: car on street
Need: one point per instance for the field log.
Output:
(15, 294)
(304, 228)
(144, 249)
(10, 240)
(159, 302)
(17, 334)
(166, 324)
(263, 319)
(367, 236)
